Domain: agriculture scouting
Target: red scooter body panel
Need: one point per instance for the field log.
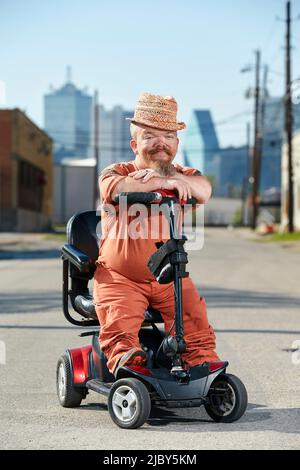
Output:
(80, 362)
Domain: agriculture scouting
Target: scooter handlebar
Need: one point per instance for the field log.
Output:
(154, 197)
(138, 197)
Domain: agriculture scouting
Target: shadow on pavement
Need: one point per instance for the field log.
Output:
(244, 330)
(40, 327)
(94, 407)
(30, 254)
(59, 327)
(231, 298)
(16, 302)
(41, 302)
(257, 417)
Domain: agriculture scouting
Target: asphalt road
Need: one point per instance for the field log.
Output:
(253, 296)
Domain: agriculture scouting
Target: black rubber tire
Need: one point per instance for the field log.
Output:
(143, 403)
(235, 387)
(72, 396)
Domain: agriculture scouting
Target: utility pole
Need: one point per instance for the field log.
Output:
(261, 123)
(247, 177)
(289, 119)
(255, 160)
(96, 147)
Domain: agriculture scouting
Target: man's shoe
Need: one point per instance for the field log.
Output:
(215, 365)
(133, 357)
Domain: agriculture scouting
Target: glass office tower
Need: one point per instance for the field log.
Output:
(68, 119)
(201, 143)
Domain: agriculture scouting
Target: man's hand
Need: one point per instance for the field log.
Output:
(183, 189)
(144, 175)
(164, 182)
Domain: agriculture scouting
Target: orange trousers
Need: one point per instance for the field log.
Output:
(121, 303)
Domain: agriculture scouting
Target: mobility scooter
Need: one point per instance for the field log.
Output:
(163, 381)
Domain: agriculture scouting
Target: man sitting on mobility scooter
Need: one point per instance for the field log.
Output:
(124, 287)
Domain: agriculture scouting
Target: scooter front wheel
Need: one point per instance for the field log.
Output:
(129, 403)
(227, 399)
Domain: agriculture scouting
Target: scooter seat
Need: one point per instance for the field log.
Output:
(84, 304)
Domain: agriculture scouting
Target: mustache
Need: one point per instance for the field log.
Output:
(159, 149)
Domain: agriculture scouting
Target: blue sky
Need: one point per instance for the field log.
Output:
(192, 49)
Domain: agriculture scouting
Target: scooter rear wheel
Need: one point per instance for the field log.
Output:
(69, 396)
(129, 403)
(227, 399)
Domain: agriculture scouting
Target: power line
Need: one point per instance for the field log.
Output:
(205, 126)
(111, 134)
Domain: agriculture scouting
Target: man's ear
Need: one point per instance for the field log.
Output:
(133, 146)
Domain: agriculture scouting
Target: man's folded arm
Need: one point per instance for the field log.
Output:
(129, 184)
(111, 183)
(200, 185)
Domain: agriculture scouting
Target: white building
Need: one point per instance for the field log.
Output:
(74, 188)
(114, 136)
(284, 183)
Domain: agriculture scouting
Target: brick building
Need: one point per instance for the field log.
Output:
(26, 174)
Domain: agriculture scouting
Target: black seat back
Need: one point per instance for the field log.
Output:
(84, 232)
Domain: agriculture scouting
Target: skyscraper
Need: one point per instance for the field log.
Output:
(232, 171)
(273, 138)
(68, 119)
(201, 143)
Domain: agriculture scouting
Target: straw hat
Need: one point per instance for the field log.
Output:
(158, 112)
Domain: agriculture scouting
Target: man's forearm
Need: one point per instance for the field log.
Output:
(129, 184)
(200, 186)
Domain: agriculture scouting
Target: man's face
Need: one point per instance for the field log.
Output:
(155, 148)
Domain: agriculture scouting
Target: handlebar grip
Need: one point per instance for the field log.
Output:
(139, 197)
(151, 197)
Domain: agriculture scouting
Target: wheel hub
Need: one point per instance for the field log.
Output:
(223, 399)
(62, 381)
(124, 403)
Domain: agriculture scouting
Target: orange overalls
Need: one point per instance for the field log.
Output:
(124, 288)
